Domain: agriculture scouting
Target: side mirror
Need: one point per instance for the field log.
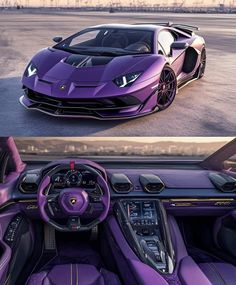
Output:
(179, 45)
(57, 39)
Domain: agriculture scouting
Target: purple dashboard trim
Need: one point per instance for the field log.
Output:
(173, 178)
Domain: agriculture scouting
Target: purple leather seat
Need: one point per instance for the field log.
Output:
(74, 274)
(211, 273)
(219, 273)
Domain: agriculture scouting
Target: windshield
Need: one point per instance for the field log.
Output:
(174, 148)
(110, 41)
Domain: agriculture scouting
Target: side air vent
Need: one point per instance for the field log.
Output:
(223, 182)
(29, 183)
(121, 183)
(4, 158)
(151, 183)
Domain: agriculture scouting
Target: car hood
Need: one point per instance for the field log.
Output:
(57, 65)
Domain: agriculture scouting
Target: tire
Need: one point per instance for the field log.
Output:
(167, 88)
(202, 65)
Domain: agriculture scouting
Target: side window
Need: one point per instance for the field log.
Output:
(165, 39)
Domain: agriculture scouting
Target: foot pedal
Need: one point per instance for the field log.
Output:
(49, 237)
(94, 233)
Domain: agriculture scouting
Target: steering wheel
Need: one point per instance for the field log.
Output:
(73, 202)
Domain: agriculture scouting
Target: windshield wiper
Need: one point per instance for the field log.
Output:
(86, 51)
(111, 53)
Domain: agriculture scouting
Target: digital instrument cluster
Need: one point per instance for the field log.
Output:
(74, 178)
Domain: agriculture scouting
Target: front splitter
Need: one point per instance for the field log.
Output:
(21, 100)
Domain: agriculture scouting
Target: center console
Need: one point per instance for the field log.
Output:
(143, 223)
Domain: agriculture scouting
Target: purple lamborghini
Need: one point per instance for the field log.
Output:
(116, 221)
(114, 71)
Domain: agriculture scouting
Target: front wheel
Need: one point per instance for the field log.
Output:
(167, 88)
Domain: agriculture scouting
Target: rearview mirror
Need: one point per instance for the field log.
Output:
(57, 39)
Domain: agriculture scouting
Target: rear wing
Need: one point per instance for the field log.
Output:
(181, 27)
(185, 28)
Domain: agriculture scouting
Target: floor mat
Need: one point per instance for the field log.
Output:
(82, 253)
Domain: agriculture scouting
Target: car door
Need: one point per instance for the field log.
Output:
(175, 57)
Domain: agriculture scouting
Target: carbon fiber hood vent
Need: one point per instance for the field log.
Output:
(79, 61)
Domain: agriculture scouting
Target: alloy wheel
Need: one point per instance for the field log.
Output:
(166, 88)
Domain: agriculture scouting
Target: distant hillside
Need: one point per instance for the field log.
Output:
(64, 147)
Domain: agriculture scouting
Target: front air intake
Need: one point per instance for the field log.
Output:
(121, 183)
(223, 182)
(151, 183)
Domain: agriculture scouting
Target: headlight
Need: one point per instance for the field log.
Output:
(126, 80)
(31, 70)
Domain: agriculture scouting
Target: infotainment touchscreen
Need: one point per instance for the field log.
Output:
(141, 210)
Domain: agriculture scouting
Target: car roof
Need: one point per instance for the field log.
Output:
(144, 27)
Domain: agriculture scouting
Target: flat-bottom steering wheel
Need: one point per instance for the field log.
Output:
(73, 202)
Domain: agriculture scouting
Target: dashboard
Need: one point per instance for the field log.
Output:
(128, 181)
(178, 186)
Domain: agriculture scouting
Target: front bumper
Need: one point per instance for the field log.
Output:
(121, 107)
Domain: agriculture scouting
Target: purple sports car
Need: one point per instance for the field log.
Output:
(114, 71)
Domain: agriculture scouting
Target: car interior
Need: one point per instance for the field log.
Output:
(130, 40)
(117, 220)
